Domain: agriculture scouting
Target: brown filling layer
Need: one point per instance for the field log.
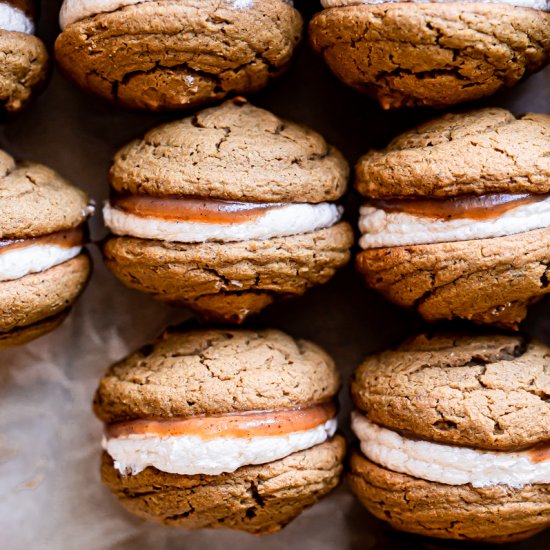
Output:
(191, 209)
(484, 207)
(26, 6)
(68, 239)
(249, 424)
(540, 454)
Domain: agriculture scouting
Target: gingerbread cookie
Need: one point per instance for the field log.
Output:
(454, 434)
(24, 58)
(223, 429)
(43, 268)
(226, 211)
(439, 53)
(166, 54)
(457, 221)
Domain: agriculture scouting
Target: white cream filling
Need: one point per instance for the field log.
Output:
(18, 262)
(446, 464)
(535, 4)
(386, 229)
(291, 219)
(190, 455)
(14, 20)
(73, 11)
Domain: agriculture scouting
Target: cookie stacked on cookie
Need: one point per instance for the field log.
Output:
(24, 58)
(454, 434)
(227, 211)
(432, 53)
(168, 54)
(42, 265)
(457, 218)
(224, 429)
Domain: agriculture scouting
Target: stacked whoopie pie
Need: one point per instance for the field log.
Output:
(24, 58)
(227, 211)
(42, 265)
(457, 218)
(432, 53)
(454, 434)
(169, 54)
(221, 428)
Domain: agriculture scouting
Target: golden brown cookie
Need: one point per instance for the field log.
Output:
(43, 268)
(221, 428)
(486, 391)
(24, 59)
(454, 436)
(163, 54)
(437, 54)
(456, 221)
(496, 514)
(229, 281)
(227, 211)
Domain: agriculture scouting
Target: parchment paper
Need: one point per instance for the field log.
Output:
(50, 493)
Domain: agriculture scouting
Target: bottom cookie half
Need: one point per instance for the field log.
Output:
(494, 514)
(229, 281)
(258, 499)
(487, 281)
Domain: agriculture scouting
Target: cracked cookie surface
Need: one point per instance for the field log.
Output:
(216, 372)
(165, 54)
(433, 54)
(35, 200)
(477, 152)
(487, 281)
(232, 152)
(496, 514)
(488, 392)
(258, 499)
(229, 281)
(23, 70)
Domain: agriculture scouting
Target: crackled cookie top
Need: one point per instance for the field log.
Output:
(488, 392)
(233, 152)
(35, 201)
(478, 152)
(216, 372)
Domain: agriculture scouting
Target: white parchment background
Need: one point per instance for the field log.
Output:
(50, 493)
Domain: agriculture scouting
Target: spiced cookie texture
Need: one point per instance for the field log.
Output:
(222, 429)
(167, 54)
(457, 218)
(438, 53)
(43, 268)
(227, 211)
(24, 58)
(454, 436)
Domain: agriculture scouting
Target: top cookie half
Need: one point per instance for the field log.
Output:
(478, 152)
(209, 372)
(232, 152)
(488, 391)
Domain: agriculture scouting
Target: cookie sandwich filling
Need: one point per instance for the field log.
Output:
(450, 464)
(73, 11)
(14, 16)
(21, 257)
(534, 4)
(217, 444)
(197, 220)
(395, 222)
